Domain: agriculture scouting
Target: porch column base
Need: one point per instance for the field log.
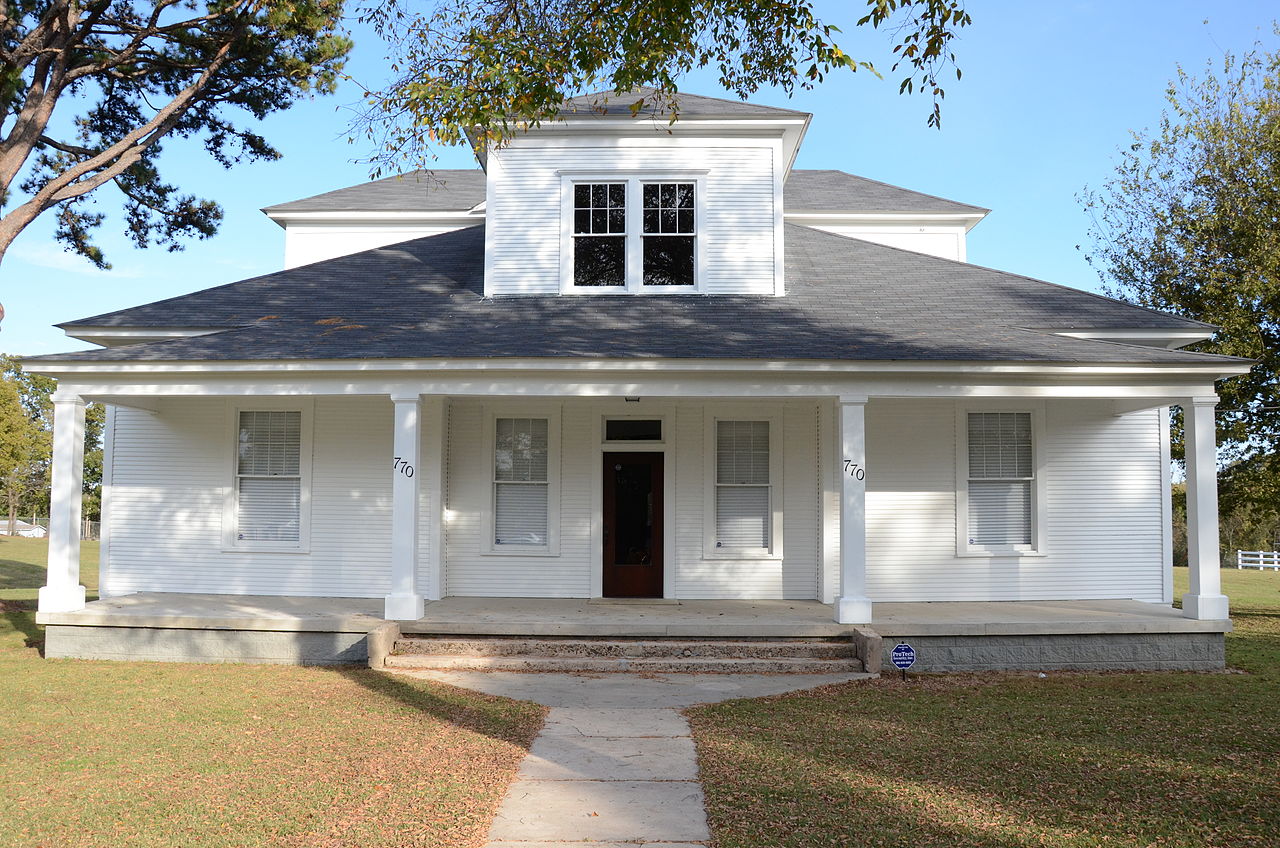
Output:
(403, 608)
(1205, 607)
(61, 598)
(853, 611)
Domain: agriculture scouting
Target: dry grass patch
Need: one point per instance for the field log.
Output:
(1011, 760)
(198, 756)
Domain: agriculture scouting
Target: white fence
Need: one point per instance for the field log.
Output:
(1258, 559)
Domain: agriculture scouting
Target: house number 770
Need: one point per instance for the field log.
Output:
(854, 470)
(403, 466)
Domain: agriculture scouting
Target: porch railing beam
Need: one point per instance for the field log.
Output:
(1205, 601)
(63, 591)
(853, 606)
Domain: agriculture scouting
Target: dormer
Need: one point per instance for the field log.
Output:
(604, 202)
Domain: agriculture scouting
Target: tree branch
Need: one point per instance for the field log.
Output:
(66, 148)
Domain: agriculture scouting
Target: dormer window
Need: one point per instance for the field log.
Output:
(600, 234)
(668, 234)
(632, 236)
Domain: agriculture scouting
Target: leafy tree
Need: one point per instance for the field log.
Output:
(28, 492)
(95, 420)
(487, 68)
(1190, 224)
(23, 448)
(136, 72)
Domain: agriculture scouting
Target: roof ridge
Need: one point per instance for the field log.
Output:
(645, 90)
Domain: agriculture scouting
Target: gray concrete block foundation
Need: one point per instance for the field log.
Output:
(1065, 652)
(168, 644)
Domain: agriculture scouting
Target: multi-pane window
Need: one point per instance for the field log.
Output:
(629, 235)
(269, 477)
(1001, 474)
(668, 234)
(600, 234)
(743, 498)
(520, 481)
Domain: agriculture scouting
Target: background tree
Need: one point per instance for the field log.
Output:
(1190, 224)
(26, 491)
(95, 422)
(23, 446)
(136, 72)
(488, 68)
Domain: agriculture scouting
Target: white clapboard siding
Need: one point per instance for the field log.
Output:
(171, 471)
(794, 576)
(471, 569)
(737, 233)
(800, 522)
(946, 242)
(318, 241)
(1104, 528)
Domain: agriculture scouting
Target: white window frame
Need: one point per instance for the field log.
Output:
(634, 181)
(231, 505)
(713, 416)
(489, 545)
(1038, 487)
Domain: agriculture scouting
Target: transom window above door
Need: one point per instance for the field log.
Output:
(632, 236)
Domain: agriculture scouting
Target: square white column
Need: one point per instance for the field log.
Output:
(405, 603)
(1205, 601)
(853, 606)
(432, 492)
(63, 592)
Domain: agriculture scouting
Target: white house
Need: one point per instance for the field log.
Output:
(626, 362)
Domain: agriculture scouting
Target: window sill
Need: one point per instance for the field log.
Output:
(615, 291)
(721, 555)
(1000, 554)
(264, 549)
(517, 551)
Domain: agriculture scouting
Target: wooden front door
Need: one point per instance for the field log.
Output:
(633, 525)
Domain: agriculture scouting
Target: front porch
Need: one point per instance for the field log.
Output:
(948, 636)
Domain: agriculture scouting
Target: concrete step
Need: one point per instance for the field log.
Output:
(626, 648)
(655, 665)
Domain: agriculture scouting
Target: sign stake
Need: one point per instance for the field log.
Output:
(903, 656)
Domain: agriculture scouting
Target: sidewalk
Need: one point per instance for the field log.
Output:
(615, 764)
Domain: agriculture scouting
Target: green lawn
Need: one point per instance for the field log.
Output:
(195, 756)
(1012, 760)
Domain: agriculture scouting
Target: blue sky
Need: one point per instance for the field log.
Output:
(1049, 94)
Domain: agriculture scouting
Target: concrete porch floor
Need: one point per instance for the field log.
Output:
(950, 636)
(626, 618)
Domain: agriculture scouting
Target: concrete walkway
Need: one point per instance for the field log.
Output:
(615, 764)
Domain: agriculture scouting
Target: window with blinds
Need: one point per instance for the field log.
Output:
(744, 517)
(1001, 474)
(520, 481)
(269, 477)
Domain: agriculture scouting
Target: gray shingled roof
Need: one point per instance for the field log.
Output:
(440, 190)
(444, 190)
(610, 104)
(847, 300)
(828, 191)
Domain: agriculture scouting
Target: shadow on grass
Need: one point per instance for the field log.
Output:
(489, 715)
(16, 574)
(21, 616)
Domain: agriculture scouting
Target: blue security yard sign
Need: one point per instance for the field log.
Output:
(903, 656)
